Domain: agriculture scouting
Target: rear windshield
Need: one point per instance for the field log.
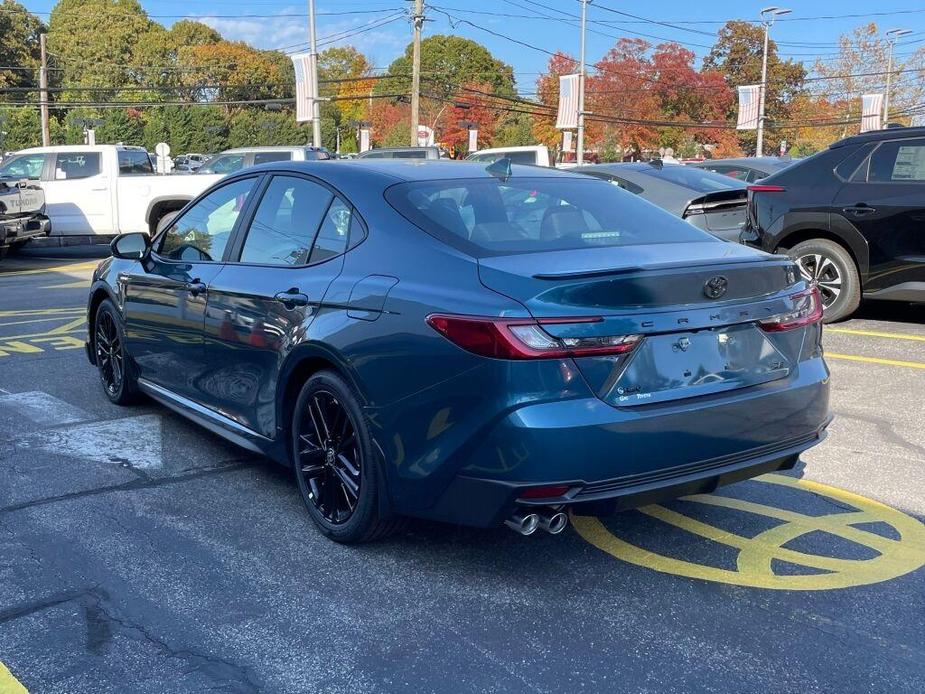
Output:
(526, 215)
(691, 177)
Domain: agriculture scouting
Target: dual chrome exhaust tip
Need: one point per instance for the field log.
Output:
(528, 522)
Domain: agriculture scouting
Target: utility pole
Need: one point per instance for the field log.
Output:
(313, 57)
(768, 15)
(43, 92)
(580, 147)
(418, 22)
(891, 35)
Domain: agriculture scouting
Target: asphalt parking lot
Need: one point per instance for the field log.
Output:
(139, 553)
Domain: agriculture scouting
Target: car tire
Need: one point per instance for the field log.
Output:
(834, 271)
(116, 372)
(331, 441)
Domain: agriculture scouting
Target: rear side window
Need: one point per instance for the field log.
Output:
(223, 164)
(334, 233)
(73, 165)
(268, 157)
(487, 216)
(286, 222)
(135, 162)
(691, 177)
(901, 161)
(617, 181)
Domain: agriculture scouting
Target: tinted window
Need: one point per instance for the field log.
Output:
(847, 168)
(690, 177)
(23, 166)
(203, 231)
(73, 165)
(224, 163)
(285, 223)
(373, 154)
(316, 155)
(334, 233)
(617, 181)
(528, 157)
(267, 157)
(522, 215)
(134, 162)
(902, 161)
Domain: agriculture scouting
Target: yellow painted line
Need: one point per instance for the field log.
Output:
(9, 684)
(877, 333)
(77, 267)
(74, 326)
(876, 360)
(43, 311)
(79, 284)
(68, 327)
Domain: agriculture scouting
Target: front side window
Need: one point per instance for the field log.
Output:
(202, 233)
(488, 216)
(23, 166)
(286, 222)
(223, 164)
(73, 165)
(902, 161)
(267, 157)
(133, 162)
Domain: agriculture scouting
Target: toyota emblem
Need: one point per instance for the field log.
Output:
(715, 287)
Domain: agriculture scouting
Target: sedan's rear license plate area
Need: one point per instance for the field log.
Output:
(684, 365)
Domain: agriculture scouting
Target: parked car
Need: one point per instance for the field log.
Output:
(746, 169)
(851, 217)
(102, 189)
(233, 160)
(536, 155)
(401, 153)
(22, 213)
(710, 201)
(464, 343)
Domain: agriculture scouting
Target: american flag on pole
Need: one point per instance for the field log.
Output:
(567, 118)
(749, 97)
(871, 111)
(302, 62)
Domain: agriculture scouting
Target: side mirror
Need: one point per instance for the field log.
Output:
(132, 246)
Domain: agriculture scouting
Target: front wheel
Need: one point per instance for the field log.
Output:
(335, 463)
(831, 268)
(114, 367)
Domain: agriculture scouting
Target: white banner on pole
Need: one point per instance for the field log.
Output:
(304, 96)
(871, 112)
(567, 118)
(473, 139)
(425, 136)
(749, 98)
(364, 139)
(567, 141)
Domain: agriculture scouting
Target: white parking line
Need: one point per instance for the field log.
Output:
(42, 408)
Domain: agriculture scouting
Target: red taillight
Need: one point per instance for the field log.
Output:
(524, 338)
(758, 188)
(545, 492)
(807, 311)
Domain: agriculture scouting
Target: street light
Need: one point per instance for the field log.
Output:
(891, 37)
(768, 15)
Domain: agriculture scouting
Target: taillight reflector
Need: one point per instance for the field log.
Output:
(545, 492)
(758, 188)
(807, 311)
(524, 338)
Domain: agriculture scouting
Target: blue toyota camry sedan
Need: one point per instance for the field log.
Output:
(479, 345)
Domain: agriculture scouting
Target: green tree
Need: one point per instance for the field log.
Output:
(121, 125)
(254, 127)
(21, 128)
(737, 55)
(19, 45)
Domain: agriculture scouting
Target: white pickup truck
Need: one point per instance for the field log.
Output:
(102, 189)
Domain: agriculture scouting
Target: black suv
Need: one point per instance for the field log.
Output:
(851, 216)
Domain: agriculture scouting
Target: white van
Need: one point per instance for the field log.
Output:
(535, 155)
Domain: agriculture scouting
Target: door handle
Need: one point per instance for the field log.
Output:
(859, 209)
(195, 287)
(291, 298)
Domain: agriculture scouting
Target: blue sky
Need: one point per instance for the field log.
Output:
(283, 24)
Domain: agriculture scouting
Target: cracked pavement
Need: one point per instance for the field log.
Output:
(172, 561)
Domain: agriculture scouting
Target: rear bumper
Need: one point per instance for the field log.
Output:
(497, 500)
(21, 229)
(614, 459)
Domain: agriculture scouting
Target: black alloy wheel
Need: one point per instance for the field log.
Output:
(329, 459)
(109, 354)
(339, 473)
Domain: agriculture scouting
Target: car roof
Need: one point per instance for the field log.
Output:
(745, 161)
(268, 148)
(877, 135)
(79, 148)
(401, 149)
